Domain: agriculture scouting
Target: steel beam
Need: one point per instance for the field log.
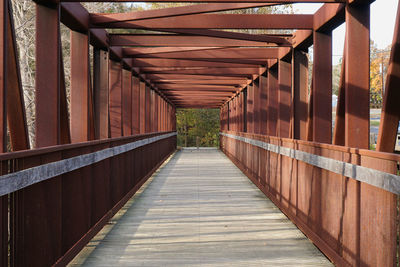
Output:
(16, 117)
(115, 98)
(101, 93)
(300, 93)
(322, 86)
(148, 40)
(47, 76)
(284, 98)
(219, 21)
(135, 105)
(272, 109)
(170, 12)
(142, 107)
(357, 76)
(339, 130)
(80, 87)
(126, 102)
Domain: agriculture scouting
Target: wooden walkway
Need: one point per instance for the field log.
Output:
(199, 209)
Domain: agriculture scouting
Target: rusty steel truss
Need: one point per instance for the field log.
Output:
(121, 123)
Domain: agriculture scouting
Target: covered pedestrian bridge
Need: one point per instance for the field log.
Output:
(105, 184)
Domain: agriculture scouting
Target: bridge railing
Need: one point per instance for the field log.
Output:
(345, 200)
(55, 199)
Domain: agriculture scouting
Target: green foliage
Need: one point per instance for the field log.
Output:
(198, 127)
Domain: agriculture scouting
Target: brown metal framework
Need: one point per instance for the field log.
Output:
(191, 58)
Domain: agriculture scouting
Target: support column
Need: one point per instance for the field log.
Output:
(3, 131)
(142, 107)
(100, 83)
(322, 86)
(47, 76)
(135, 105)
(147, 110)
(115, 101)
(256, 112)
(339, 130)
(263, 87)
(250, 108)
(272, 110)
(357, 76)
(357, 133)
(284, 98)
(126, 102)
(41, 204)
(300, 94)
(79, 87)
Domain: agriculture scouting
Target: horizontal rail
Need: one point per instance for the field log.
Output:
(18, 180)
(383, 180)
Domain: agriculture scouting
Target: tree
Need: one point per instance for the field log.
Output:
(379, 61)
(201, 124)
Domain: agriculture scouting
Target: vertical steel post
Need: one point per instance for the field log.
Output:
(322, 86)
(115, 101)
(272, 110)
(284, 98)
(79, 87)
(357, 76)
(339, 130)
(135, 105)
(300, 93)
(47, 75)
(126, 102)
(263, 87)
(142, 107)
(101, 93)
(256, 108)
(250, 108)
(3, 131)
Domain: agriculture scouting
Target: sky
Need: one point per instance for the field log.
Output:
(383, 15)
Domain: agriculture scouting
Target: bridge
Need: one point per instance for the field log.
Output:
(104, 184)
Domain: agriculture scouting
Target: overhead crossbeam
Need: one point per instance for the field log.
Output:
(218, 21)
(171, 12)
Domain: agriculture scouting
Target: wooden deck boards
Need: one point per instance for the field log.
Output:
(199, 209)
